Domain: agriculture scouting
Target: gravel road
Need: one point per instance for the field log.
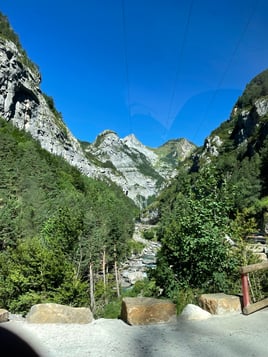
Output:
(219, 336)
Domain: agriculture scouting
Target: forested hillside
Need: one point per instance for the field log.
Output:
(220, 194)
(60, 231)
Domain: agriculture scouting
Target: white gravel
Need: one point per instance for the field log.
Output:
(233, 335)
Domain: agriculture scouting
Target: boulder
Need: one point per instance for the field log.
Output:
(193, 312)
(146, 311)
(4, 315)
(56, 313)
(220, 304)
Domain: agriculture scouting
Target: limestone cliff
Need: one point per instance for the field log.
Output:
(22, 103)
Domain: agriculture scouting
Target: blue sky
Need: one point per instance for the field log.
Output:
(161, 69)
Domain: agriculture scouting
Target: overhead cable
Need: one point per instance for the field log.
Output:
(126, 63)
(228, 66)
(179, 64)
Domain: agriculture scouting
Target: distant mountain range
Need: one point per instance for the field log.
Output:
(140, 171)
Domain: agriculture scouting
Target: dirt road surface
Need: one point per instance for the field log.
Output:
(219, 336)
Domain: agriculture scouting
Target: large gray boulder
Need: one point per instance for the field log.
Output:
(56, 313)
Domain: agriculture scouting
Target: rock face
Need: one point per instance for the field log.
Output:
(22, 103)
(220, 304)
(4, 315)
(146, 311)
(56, 313)
(244, 133)
(212, 145)
(250, 121)
(141, 172)
(133, 162)
(193, 312)
(137, 169)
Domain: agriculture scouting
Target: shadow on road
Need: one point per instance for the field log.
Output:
(219, 336)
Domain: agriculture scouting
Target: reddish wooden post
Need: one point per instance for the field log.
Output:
(245, 290)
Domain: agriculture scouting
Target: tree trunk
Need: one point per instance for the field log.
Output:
(91, 287)
(116, 272)
(79, 262)
(116, 278)
(104, 275)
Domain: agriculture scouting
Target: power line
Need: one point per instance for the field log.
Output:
(179, 66)
(228, 66)
(126, 62)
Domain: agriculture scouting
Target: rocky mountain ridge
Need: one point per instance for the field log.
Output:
(136, 169)
(145, 171)
(246, 129)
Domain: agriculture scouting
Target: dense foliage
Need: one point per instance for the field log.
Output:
(257, 88)
(54, 223)
(193, 230)
(219, 197)
(7, 32)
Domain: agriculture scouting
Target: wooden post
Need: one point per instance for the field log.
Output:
(245, 290)
(245, 270)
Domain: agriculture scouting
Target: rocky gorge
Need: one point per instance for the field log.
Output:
(136, 266)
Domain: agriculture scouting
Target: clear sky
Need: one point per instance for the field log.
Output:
(161, 69)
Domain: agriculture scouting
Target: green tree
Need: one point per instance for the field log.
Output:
(246, 182)
(257, 88)
(8, 227)
(194, 250)
(264, 168)
(78, 219)
(32, 273)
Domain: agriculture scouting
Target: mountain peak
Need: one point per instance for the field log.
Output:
(108, 132)
(132, 142)
(131, 138)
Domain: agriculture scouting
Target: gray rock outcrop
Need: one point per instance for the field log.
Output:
(23, 104)
(131, 160)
